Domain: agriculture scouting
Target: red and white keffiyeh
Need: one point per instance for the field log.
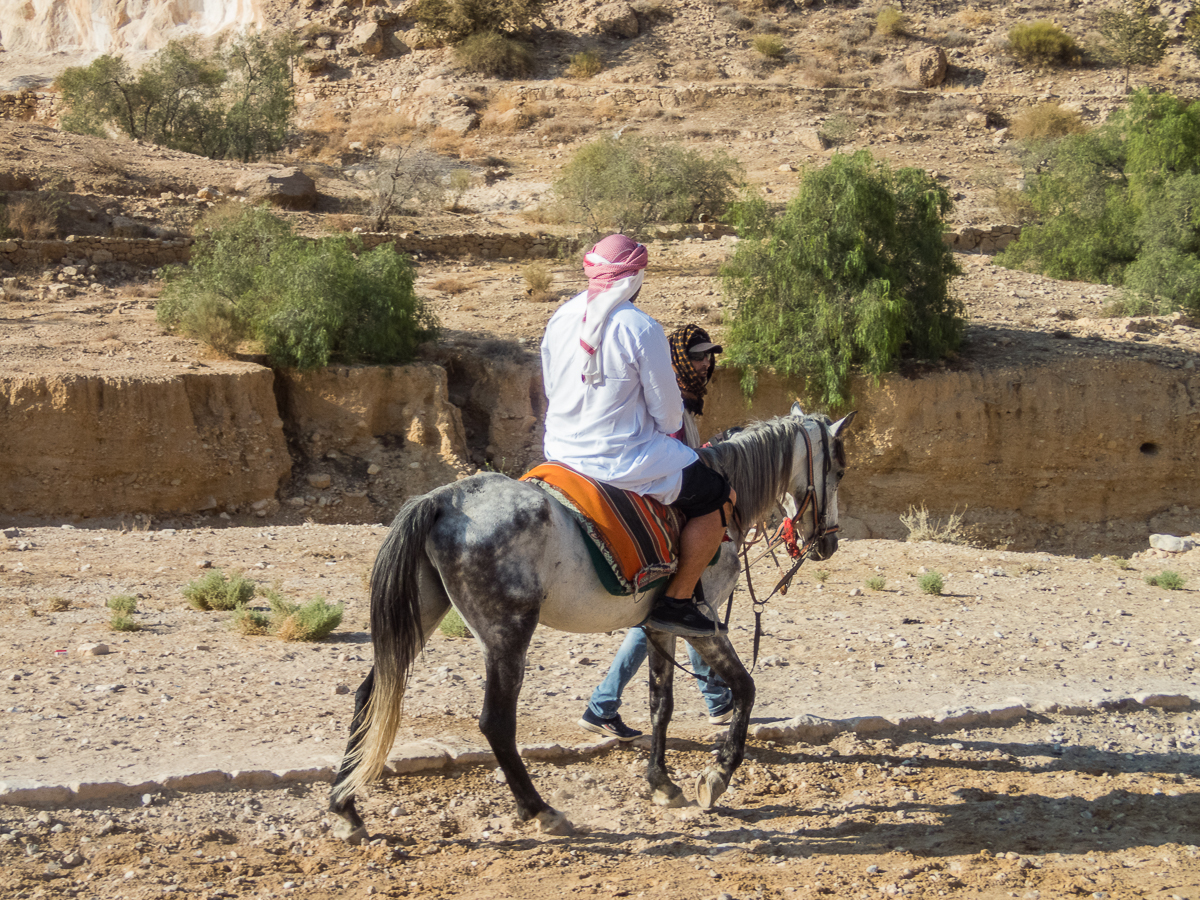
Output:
(615, 268)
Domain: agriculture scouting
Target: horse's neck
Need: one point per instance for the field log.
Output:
(754, 504)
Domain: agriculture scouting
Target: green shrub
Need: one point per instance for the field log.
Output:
(891, 22)
(1046, 120)
(123, 603)
(876, 583)
(217, 592)
(1114, 204)
(585, 64)
(1167, 580)
(735, 17)
(123, 622)
(456, 20)
(538, 282)
(250, 621)
(312, 621)
(768, 45)
(854, 273)
(821, 576)
(931, 582)
(495, 55)
(839, 129)
(630, 183)
(452, 625)
(1042, 44)
(309, 302)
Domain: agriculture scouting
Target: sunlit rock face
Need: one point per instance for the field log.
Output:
(92, 27)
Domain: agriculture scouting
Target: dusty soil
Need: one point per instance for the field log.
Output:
(1089, 793)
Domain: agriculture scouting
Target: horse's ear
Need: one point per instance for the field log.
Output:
(836, 430)
(796, 410)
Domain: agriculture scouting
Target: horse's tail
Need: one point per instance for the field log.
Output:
(397, 636)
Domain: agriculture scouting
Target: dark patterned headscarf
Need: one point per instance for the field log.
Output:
(691, 383)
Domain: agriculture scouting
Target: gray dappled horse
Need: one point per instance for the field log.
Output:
(508, 557)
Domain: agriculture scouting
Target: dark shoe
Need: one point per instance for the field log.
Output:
(721, 717)
(613, 727)
(682, 617)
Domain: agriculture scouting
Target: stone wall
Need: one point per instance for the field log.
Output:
(147, 252)
(29, 106)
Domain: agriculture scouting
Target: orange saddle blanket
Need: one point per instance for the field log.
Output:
(633, 541)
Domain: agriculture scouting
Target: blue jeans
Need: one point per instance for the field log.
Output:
(606, 699)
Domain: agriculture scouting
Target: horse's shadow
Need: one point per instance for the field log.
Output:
(981, 815)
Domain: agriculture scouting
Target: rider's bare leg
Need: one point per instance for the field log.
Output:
(698, 543)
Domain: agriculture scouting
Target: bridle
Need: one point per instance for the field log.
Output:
(788, 529)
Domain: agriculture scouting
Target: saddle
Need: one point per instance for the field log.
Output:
(633, 541)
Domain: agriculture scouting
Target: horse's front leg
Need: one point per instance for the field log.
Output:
(505, 664)
(663, 791)
(718, 652)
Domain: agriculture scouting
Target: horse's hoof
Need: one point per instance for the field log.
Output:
(668, 795)
(551, 821)
(350, 834)
(710, 785)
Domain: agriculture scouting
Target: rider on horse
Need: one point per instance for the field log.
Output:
(613, 404)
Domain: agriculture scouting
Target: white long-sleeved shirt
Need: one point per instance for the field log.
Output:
(618, 431)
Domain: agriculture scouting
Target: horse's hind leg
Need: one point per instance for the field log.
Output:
(663, 791)
(505, 663)
(348, 824)
(720, 655)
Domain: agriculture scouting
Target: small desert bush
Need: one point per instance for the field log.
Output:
(975, 18)
(585, 64)
(1042, 44)
(495, 55)
(123, 603)
(1046, 120)
(875, 583)
(821, 576)
(451, 284)
(891, 22)
(215, 591)
(35, 216)
(250, 621)
(538, 281)
(453, 625)
(58, 604)
(1167, 580)
(769, 46)
(921, 527)
(311, 621)
(931, 582)
(1126, 306)
(123, 622)
(652, 11)
(1121, 563)
(735, 17)
(839, 130)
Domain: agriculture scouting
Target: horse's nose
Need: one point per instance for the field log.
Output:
(827, 546)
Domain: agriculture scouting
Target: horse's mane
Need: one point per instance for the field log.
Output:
(758, 462)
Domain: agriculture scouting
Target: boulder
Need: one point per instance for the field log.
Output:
(617, 20)
(287, 188)
(369, 39)
(927, 66)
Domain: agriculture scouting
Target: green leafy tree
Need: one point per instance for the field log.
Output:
(628, 184)
(260, 94)
(853, 273)
(308, 303)
(1133, 37)
(1117, 204)
(237, 104)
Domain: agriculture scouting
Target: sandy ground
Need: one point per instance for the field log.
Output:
(1089, 793)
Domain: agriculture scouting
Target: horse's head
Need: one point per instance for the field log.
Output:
(820, 464)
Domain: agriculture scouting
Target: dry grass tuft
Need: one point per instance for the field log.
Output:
(923, 528)
(538, 282)
(451, 284)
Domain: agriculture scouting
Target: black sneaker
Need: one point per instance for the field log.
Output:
(613, 727)
(682, 617)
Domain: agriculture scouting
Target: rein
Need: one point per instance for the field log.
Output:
(785, 534)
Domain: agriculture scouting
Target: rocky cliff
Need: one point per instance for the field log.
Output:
(92, 27)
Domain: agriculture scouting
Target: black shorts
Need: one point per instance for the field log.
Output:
(704, 491)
